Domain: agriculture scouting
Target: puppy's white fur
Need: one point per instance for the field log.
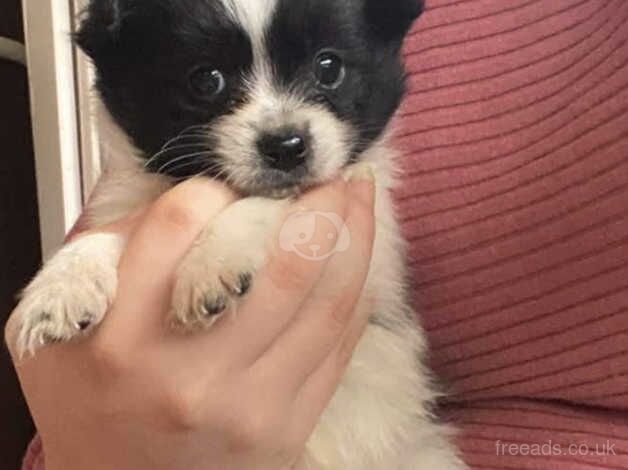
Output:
(75, 288)
(254, 16)
(379, 418)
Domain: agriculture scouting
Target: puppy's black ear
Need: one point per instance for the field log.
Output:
(390, 20)
(100, 26)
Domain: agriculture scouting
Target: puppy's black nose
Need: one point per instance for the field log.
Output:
(284, 151)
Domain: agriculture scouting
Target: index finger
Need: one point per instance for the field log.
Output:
(286, 280)
(331, 306)
(156, 247)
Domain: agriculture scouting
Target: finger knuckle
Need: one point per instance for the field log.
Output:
(289, 273)
(109, 359)
(338, 317)
(254, 429)
(182, 407)
(172, 213)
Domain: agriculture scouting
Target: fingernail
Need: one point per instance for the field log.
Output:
(360, 173)
(362, 183)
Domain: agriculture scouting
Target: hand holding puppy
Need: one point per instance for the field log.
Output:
(245, 395)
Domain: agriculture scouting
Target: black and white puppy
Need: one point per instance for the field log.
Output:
(272, 97)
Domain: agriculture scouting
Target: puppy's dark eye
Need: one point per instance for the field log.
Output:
(329, 70)
(207, 82)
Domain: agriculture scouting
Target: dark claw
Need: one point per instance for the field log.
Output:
(241, 287)
(47, 339)
(215, 307)
(245, 281)
(84, 324)
(44, 317)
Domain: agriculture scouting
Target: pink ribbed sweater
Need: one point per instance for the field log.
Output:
(515, 201)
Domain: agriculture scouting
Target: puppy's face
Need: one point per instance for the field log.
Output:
(268, 95)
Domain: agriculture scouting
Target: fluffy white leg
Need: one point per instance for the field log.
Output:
(433, 449)
(71, 294)
(221, 265)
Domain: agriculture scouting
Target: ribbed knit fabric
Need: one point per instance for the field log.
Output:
(515, 200)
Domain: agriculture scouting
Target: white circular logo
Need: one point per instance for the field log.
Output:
(298, 231)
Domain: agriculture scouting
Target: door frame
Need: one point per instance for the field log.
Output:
(65, 138)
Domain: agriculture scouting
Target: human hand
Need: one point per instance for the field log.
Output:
(245, 395)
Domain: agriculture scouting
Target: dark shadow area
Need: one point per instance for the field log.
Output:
(19, 229)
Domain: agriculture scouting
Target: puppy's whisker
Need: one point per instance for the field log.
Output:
(173, 148)
(178, 147)
(186, 177)
(188, 131)
(191, 136)
(174, 140)
(183, 158)
(171, 167)
(194, 132)
(221, 173)
(212, 166)
(185, 165)
(197, 126)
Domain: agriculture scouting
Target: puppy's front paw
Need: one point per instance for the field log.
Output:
(58, 311)
(220, 267)
(208, 285)
(70, 295)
